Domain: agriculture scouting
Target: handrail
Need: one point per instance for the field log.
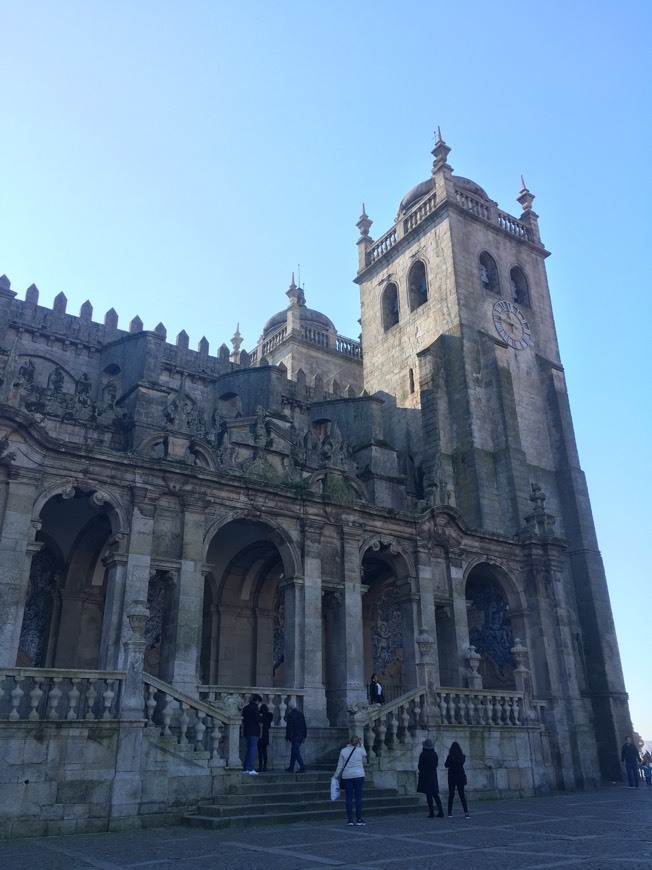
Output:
(197, 704)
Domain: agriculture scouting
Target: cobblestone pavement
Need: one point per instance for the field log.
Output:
(605, 830)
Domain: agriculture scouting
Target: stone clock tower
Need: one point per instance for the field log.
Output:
(459, 338)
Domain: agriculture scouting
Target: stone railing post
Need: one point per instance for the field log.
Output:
(133, 700)
(474, 678)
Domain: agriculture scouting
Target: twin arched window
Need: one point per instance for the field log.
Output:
(490, 280)
(417, 294)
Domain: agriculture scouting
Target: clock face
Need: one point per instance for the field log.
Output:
(511, 325)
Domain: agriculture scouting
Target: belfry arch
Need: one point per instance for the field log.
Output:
(243, 614)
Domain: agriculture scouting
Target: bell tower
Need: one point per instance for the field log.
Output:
(459, 339)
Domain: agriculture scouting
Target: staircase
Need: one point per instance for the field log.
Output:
(277, 798)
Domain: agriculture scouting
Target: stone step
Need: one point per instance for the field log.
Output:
(335, 812)
(309, 805)
(279, 790)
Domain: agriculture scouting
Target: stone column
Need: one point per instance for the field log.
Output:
(128, 577)
(352, 651)
(460, 618)
(294, 649)
(427, 620)
(190, 599)
(17, 546)
(313, 676)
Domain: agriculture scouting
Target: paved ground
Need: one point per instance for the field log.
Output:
(607, 830)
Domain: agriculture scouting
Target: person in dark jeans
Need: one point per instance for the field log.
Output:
(456, 777)
(631, 759)
(296, 732)
(251, 732)
(266, 719)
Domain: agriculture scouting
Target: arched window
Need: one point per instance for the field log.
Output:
(519, 286)
(417, 285)
(489, 273)
(390, 305)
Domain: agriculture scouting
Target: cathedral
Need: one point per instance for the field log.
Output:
(180, 529)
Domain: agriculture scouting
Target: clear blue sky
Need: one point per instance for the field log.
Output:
(177, 160)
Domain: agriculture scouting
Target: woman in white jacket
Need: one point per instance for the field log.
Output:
(350, 768)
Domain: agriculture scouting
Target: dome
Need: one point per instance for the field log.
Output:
(414, 195)
(309, 318)
(421, 190)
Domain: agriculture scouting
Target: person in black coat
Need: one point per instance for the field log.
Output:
(251, 732)
(428, 783)
(266, 719)
(631, 759)
(456, 777)
(296, 732)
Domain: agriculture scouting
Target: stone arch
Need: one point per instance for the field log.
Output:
(519, 285)
(417, 285)
(249, 558)
(489, 277)
(388, 618)
(491, 597)
(390, 305)
(81, 522)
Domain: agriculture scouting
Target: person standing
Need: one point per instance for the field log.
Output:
(266, 719)
(350, 768)
(428, 783)
(375, 691)
(631, 759)
(296, 732)
(456, 777)
(251, 732)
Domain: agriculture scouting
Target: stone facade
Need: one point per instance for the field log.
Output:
(296, 517)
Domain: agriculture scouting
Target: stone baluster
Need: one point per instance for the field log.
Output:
(442, 709)
(504, 711)
(516, 712)
(382, 731)
(91, 695)
(369, 738)
(166, 715)
(200, 730)
(150, 706)
(34, 699)
(73, 698)
(107, 699)
(392, 726)
(416, 711)
(53, 698)
(405, 719)
(470, 710)
(184, 721)
(450, 710)
(16, 696)
(271, 706)
(282, 710)
(496, 711)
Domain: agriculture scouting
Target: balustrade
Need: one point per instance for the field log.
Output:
(507, 222)
(383, 245)
(35, 694)
(235, 697)
(465, 707)
(419, 214)
(348, 346)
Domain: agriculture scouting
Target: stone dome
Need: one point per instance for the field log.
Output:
(421, 190)
(309, 318)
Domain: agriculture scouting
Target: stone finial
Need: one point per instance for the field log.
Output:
(86, 312)
(5, 283)
(440, 152)
(525, 198)
(424, 642)
(136, 325)
(111, 319)
(161, 330)
(183, 340)
(539, 521)
(364, 224)
(203, 346)
(32, 294)
(295, 294)
(236, 341)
